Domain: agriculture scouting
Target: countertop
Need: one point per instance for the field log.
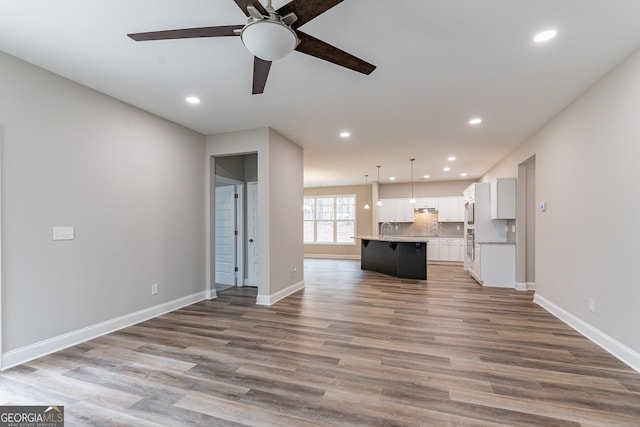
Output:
(410, 239)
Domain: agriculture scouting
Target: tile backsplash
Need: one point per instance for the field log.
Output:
(425, 224)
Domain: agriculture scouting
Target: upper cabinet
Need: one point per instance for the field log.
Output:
(404, 211)
(469, 194)
(450, 209)
(395, 210)
(503, 198)
(387, 211)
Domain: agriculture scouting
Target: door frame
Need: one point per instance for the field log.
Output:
(249, 279)
(525, 225)
(239, 187)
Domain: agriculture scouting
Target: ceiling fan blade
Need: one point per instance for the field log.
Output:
(187, 33)
(306, 10)
(244, 4)
(260, 74)
(314, 47)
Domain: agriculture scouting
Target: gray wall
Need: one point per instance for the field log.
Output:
(130, 183)
(286, 196)
(424, 189)
(587, 161)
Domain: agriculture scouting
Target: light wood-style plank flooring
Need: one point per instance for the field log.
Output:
(354, 348)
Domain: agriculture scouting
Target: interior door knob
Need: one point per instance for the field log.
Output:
(250, 240)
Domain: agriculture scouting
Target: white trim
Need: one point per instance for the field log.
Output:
(210, 294)
(520, 286)
(616, 348)
(274, 298)
(51, 345)
(332, 256)
(531, 286)
(443, 262)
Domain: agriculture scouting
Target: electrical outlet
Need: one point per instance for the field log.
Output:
(154, 289)
(294, 269)
(592, 305)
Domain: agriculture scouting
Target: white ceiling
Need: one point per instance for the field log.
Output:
(439, 63)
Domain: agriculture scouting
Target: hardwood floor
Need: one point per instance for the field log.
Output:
(352, 348)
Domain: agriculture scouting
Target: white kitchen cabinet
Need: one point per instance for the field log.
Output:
(387, 211)
(451, 209)
(451, 249)
(494, 265)
(469, 194)
(395, 210)
(427, 203)
(462, 249)
(433, 249)
(404, 210)
(503, 198)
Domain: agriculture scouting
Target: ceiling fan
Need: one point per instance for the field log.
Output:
(270, 35)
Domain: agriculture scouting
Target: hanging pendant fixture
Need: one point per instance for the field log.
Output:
(366, 193)
(379, 202)
(412, 200)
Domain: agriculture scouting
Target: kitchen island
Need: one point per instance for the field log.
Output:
(400, 256)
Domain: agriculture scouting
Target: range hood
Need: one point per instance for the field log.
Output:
(425, 210)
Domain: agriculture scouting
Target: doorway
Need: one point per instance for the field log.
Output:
(526, 235)
(234, 245)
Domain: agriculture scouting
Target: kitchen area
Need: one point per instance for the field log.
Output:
(475, 230)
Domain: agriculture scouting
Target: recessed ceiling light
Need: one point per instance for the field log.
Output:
(545, 36)
(447, 169)
(475, 121)
(193, 100)
(426, 177)
(392, 178)
(451, 158)
(345, 134)
(463, 174)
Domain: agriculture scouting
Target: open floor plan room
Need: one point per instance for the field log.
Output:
(353, 348)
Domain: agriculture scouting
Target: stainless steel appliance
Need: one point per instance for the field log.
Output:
(470, 212)
(470, 244)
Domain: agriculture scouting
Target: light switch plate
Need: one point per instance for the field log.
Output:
(62, 233)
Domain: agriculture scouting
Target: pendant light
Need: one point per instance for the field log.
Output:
(379, 202)
(412, 200)
(366, 193)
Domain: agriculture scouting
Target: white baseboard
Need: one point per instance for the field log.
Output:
(525, 286)
(616, 348)
(274, 298)
(332, 256)
(34, 351)
(520, 286)
(210, 294)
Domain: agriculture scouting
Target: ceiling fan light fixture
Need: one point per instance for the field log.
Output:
(269, 39)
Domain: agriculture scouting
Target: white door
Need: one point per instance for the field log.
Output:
(225, 228)
(252, 233)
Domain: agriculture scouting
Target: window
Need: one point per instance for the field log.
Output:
(329, 219)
